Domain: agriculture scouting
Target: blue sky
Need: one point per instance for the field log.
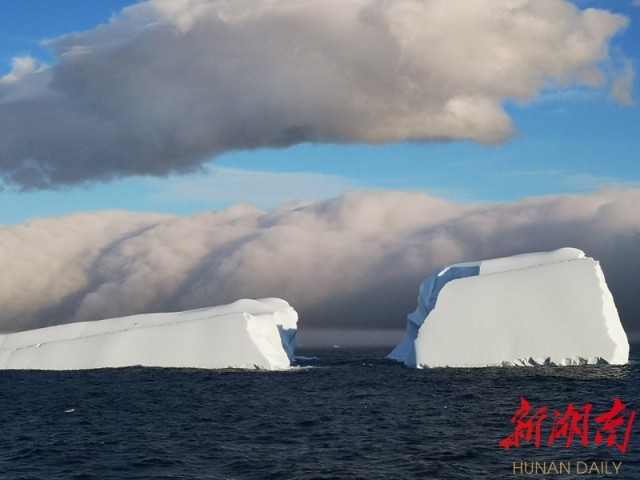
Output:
(569, 140)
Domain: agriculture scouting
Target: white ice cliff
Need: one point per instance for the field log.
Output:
(539, 308)
(244, 334)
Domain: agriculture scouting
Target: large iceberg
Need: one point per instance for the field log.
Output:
(538, 308)
(244, 334)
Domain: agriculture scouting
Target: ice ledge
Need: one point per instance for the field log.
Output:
(245, 334)
(542, 362)
(536, 362)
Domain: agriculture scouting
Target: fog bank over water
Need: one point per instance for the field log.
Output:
(352, 262)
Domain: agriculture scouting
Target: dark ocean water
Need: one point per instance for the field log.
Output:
(346, 415)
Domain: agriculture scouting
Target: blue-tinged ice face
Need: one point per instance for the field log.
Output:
(431, 287)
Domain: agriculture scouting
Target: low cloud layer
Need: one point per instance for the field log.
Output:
(169, 84)
(354, 262)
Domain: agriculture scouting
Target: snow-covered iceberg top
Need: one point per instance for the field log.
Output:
(244, 334)
(538, 308)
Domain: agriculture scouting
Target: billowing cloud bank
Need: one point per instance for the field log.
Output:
(352, 262)
(168, 84)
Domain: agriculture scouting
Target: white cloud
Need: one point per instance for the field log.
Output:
(21, 66)
(622, 87)
(348, 263)
(167, 85)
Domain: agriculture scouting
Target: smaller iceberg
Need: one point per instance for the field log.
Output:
(246, 334)
(548, 308)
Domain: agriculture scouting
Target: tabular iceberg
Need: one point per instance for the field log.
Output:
(244, 334)
(538, 308)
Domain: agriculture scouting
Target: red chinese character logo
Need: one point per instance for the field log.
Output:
(525, 427)
(573, 423)
(611, 421)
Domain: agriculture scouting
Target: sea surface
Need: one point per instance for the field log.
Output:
(345, 414)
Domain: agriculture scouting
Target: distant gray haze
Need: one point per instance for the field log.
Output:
(168, 84)
(354, 262)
